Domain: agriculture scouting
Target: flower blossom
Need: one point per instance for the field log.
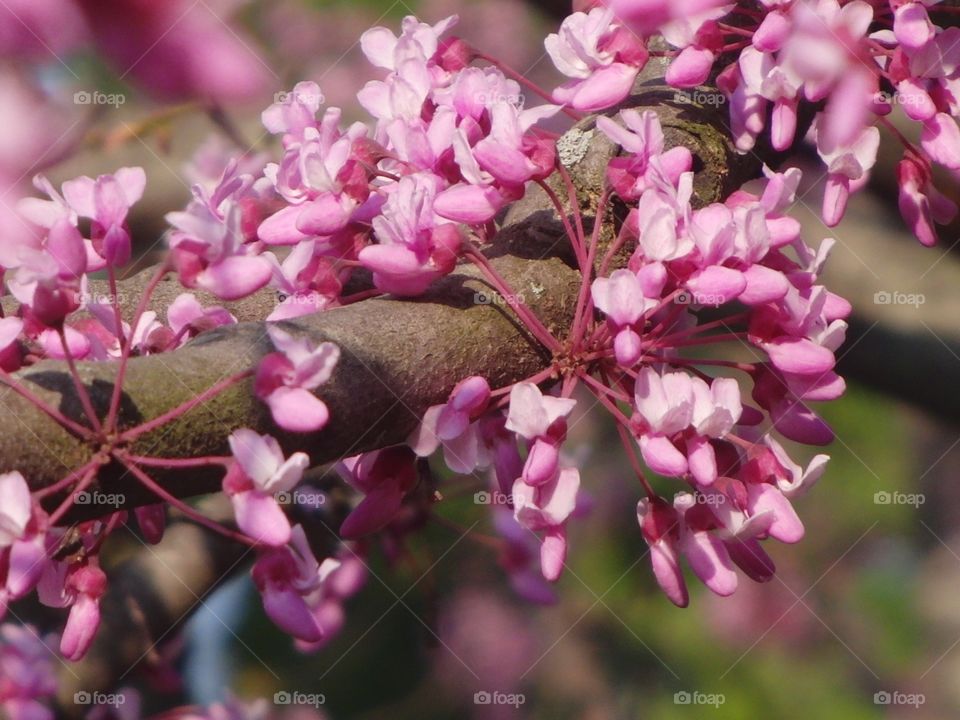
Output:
(254, 481)
(285, 378)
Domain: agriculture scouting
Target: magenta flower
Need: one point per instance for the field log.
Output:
(85, 585)
(28, 672)
(10, 352)
(541, 420)
(384, 477)
(414, 247)
(285, 378)
(622, 298)
(452, 425)
(16, 508)
(287, 577)
(188, 318)
(545, 508)
(306, 282)
(106, 201)
(209, 252)
(253, 483)
(635, 172)
(601, 56)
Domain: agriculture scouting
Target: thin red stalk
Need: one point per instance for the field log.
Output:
(634, 463)
(78, 382)
(194, 515)
(134, 433)
(128, 345)
(584, 312)
(65, 482)
(628, 446)
(726, 337)
(532, 322)
(511, 73)
(687, 332)
(68, 424)
(88, 477)
(574, 200)
(571, 234)
(535, 379)
(600, 387)
(179, 462)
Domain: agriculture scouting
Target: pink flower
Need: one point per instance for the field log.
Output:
(294, 111)
(846, 166)
(287, 577)
(621, 297)
(643, 140)
(284, 380)
(451, 425)
(921, 204)
(323, 179)
(601, 55)
(414, 247)
(541, 420)
(10, 352)
(546, 508)
(206, 57)
(209, 249)
(106, 201)
(260, 473)
(384, 477)
(85, 586)
(521, 559)
(16, 508)
(306, 282)
(27, 669)
(188, 318)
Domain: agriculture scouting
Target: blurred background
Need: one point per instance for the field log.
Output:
(862, 619)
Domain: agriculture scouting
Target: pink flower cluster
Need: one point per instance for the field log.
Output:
(855, 61)
(27, 676)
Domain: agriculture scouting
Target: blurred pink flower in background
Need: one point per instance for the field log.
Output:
(494, 642)
(179, 50)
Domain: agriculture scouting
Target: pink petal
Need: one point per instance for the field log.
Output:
(81, 627)
(289, 612)
(799, 355)
(786, 526)
(259, 516)
(553, 554)
(374, 512)
(297, 410)
(710, 561)
(662, 456)
(235, 277)
(666, 569)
